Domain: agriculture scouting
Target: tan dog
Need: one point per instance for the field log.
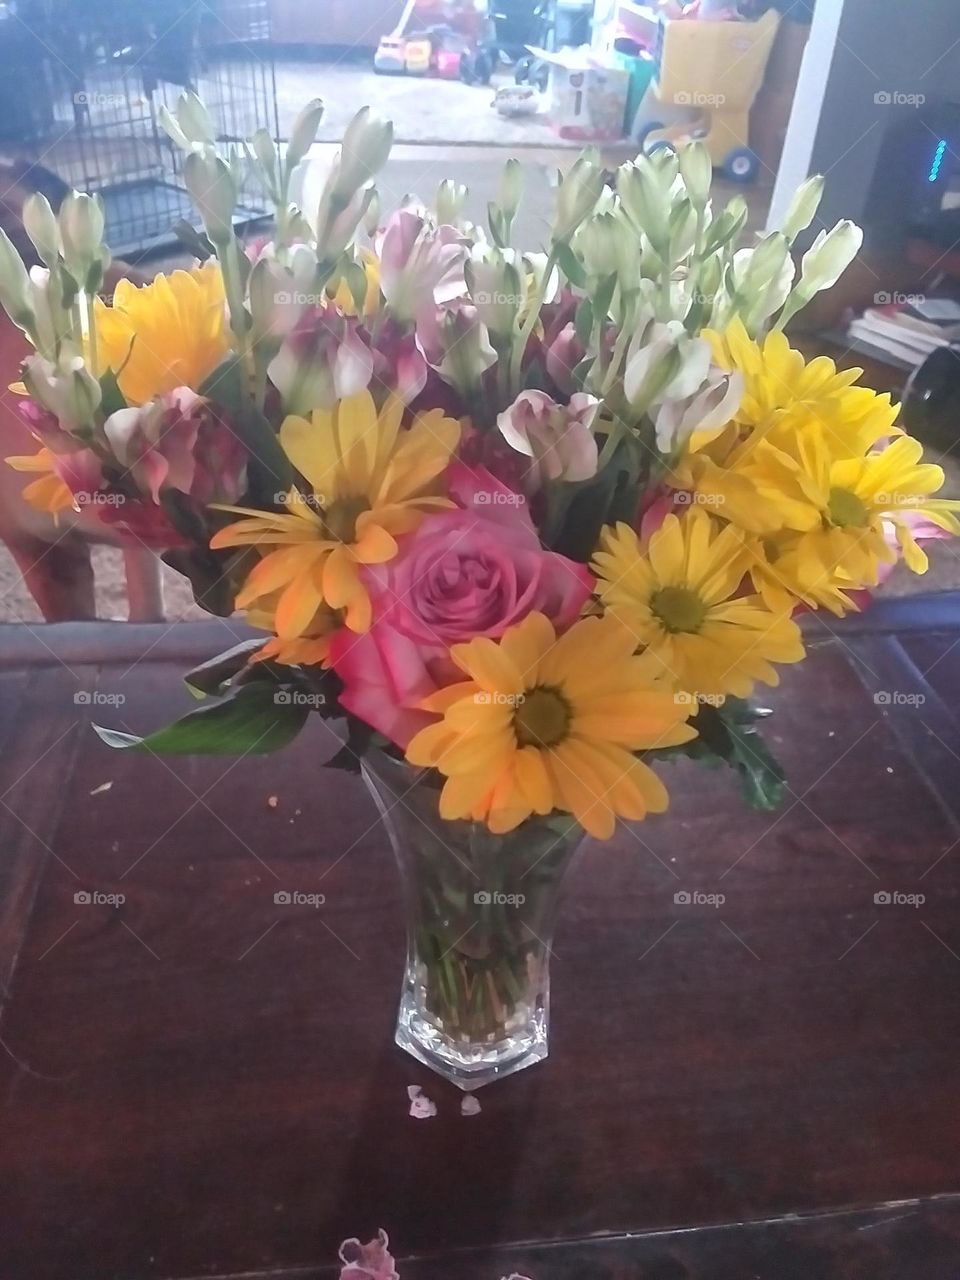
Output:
(54, 556)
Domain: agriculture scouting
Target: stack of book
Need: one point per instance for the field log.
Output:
(906, 333)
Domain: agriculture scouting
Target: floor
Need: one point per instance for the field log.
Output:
(422, 109)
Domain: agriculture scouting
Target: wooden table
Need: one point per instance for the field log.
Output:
(200, 1082)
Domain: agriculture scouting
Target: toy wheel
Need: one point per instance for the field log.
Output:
(741, 165)
(653, 127)
(467, 68)
(482, 68)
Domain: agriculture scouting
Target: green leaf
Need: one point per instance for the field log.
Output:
(196, 241)
(727, 734)
(111, 397)
(359, 737)
(269, 471)
(257, 718)
(569, 264)
(209, 677)
(212, 588)
(583, 321)
(603, 297)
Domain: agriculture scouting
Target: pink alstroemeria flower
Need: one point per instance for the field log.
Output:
(420, 265)
(398, 363)
(325, 358)
(558, 438)
(180, 441)
(471, 572)
(370, 1261)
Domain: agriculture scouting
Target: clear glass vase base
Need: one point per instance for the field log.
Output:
(471, 1066)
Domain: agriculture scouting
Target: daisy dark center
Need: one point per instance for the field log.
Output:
(847, 510)
(542, 718)
(679, 608)
(340, 518)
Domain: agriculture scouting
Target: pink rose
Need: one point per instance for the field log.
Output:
(471, 572)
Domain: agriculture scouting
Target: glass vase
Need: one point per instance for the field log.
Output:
(481, 910)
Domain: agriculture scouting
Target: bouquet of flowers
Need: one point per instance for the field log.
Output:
(526, 522)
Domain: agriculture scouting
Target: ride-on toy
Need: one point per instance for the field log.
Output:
(708, 74)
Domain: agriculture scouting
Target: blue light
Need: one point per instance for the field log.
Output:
(938, 160)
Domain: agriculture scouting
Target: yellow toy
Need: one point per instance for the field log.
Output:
(708, 74)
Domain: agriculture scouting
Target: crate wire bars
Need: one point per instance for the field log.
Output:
(81, 85)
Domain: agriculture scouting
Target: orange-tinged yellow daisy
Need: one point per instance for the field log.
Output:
(679, 598)
(168, 334)
(366, 482)
(312, 648)
(48, 492)
(544, 724)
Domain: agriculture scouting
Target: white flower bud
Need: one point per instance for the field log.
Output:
(40, 223)
(81, 229)
(194, 120)
(304, 133)
(803, 207)
(511, 187)
(696, 169)
(450, 199)
(829, 256)
(14, 285)
(579, 191)
(364, 151)
(214, 192)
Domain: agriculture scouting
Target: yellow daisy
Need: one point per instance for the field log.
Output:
(368, 481)
(544, 723)
(837, 513)
(678, 597)
(778, 379)
(164, 335)
(784, 397)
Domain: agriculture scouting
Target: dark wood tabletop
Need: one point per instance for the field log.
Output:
(200, 1082)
